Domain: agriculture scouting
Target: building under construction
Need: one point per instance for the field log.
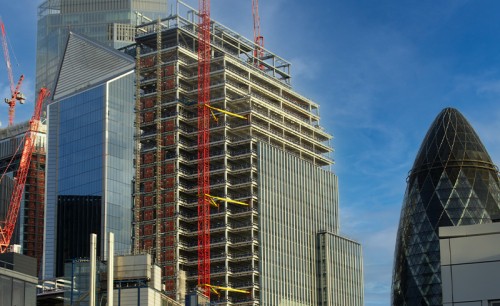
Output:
(29, 225)
(274, 201)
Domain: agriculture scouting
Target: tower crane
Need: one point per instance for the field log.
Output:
(7, 226)
(16, 95)
(204, 144)
(258, 39)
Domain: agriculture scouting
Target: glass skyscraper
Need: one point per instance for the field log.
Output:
(453, 182)
(90, 153)
(111, 22)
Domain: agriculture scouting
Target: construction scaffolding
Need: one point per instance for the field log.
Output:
(249, 103)
(30, 225)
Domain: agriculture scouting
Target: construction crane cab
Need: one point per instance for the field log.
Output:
(16, 95)
(19, 96)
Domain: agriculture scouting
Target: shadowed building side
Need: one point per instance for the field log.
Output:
(453, 182)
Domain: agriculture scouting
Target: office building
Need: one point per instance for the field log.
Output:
(453, 182)
(275, 216)
(90, 154)
(110, 22)
(29, 225)
(470, 264)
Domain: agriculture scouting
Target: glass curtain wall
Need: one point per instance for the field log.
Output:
(102, 21)
(92, 150)
(297, 200)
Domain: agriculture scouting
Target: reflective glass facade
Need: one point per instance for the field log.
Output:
(107, 22)
(453, 182)
(81, 143)
(91, 155)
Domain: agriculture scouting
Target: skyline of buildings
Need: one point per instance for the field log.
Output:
(269, 126)
(270, 160)
(371, 151)
(453, 182)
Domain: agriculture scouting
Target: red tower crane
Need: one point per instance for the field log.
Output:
(258, 53)
(7, 227)
(16, 95)
(204, 145)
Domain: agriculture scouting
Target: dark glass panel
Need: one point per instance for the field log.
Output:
(77, 218)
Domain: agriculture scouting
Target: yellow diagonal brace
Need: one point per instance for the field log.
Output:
(212, 201)
(215, 288)
(213, 198)
(226, 112)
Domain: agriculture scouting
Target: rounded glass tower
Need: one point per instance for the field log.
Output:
(452, 182)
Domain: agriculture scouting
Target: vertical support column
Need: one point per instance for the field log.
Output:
(159, 144)
(111, 265)
(93, 268)
(137, 183)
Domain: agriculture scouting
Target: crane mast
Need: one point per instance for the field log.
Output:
(204, 144)
(7, 227)
(258, 52)
(16, 95)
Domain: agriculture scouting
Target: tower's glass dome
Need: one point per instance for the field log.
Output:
(453, 182)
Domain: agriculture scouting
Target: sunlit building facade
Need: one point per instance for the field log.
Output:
(453, 182)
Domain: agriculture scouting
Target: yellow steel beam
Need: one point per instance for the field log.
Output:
(213, 198)
(226, 112)
(215, 288)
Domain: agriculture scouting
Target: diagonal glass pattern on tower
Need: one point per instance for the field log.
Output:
(453, 182)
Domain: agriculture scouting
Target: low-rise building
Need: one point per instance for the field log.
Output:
(17, 280)
(470, 264)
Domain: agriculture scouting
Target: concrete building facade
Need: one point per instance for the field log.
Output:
(470, 265)
(274, 161)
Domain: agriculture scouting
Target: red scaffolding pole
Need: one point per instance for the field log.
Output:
(204, 146)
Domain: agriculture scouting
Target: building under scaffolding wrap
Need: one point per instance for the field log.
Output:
(273, 197)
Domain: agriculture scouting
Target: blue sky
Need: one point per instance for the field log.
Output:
(381, 72)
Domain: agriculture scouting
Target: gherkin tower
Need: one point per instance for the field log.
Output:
(452, 182)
